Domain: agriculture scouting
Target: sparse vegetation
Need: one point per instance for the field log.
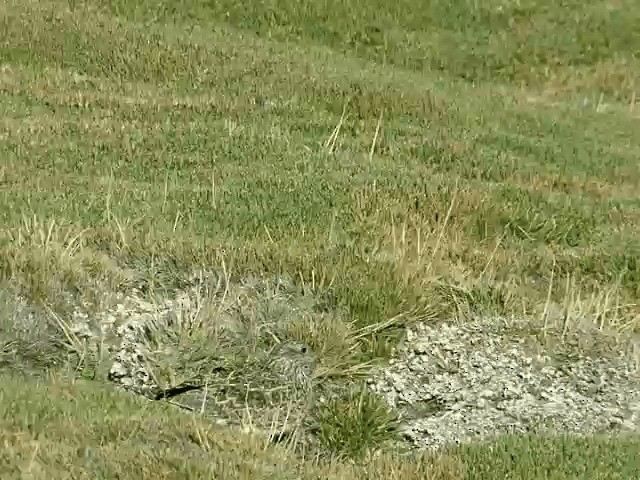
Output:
(395, 162)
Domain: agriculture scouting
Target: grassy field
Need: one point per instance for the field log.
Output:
(442, 161)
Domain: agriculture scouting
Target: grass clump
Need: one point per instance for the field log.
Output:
(356, 424)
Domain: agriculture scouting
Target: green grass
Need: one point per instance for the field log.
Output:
(141, 140)
(57, 429)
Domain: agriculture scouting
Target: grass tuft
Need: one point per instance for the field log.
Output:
(356, 424)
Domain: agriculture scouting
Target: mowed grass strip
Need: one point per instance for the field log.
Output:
(215, 139)
(53, 429)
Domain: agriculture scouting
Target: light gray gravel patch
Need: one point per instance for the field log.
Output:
(454, 383)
